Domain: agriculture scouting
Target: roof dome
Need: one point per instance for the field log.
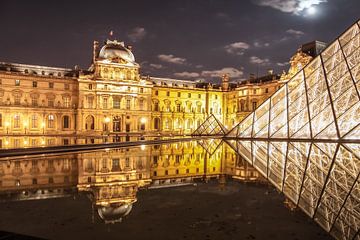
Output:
(114, 213)
(115, 49)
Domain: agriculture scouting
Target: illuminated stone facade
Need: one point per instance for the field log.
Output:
(44, 106)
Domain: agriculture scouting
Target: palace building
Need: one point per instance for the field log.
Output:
(44, 106)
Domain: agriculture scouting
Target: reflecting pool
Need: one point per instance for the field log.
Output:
(183, 190)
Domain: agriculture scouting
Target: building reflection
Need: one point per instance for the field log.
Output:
(112, 178)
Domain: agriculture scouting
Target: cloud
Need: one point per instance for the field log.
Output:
(222, 15)
(259, 44)
(295, 32)
(260, 61)
(171, 59)
(199, 66)
(283, 64)
(187, 74)
(137, 34)
(233, 72)
(289, 6)
(237, 48)
(157, 66)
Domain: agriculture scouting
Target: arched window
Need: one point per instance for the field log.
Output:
(90, 123)
(66, 122)
(51, 121)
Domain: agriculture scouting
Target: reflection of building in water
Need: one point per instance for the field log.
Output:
(38, 177)
(111, 178)
(182, 162)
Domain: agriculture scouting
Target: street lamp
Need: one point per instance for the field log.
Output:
(106, 127)
(106, 120)
(25, 126)
(142, 121)
(43, 127)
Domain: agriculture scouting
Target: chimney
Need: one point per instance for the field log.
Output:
(225, 82)
(95, 50)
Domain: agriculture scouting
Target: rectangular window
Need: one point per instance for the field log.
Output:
(34, 121)
(189, 95)
(90, 86)
(127, 162)
(266, 90)
(156, 106)
(17, 82)
(34, 84)
(16, 121)
(254, 91)
(105, 87)
(116, 103)
(51, 85)
(168, 94)
(128, 103)
(141, 104)
(90, 102)
(66, 86)
(178, 107)
(116, 164)
(50, 102)
(66, 102)
(179, 94)
(66, 122)
(141, 90)
(156, 92)
(199, 95)
(34, 101)
(105, 103)
(216, 97)
(17, 100)
(51, 121)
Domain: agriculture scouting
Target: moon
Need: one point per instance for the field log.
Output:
(311, 11)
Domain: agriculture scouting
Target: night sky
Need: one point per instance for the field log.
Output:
(195, 39)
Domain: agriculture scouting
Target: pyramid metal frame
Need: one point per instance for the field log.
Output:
(305, 138)
(210, 127)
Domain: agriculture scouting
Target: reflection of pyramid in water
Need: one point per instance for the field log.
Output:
(210, 145)
(306, 138)
(211, 126)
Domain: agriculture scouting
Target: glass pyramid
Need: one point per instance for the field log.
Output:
(305, 139)
(319, 102)
(211, 126)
